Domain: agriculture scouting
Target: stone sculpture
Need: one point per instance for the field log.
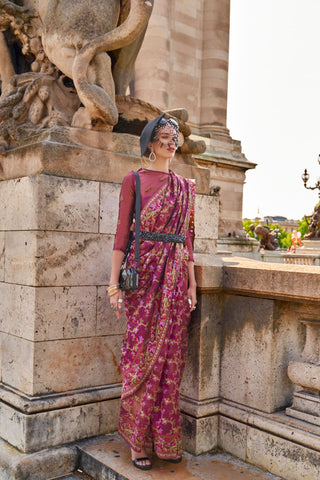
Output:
(314, 224)
(69, 63)
(68, 40)
(268, 240)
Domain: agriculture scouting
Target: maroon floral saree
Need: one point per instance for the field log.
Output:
(154, 346)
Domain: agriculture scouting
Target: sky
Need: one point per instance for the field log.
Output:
(274, 102)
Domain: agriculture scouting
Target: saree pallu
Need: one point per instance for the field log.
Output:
(158, 313)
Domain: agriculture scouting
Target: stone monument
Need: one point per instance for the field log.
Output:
(68, 136)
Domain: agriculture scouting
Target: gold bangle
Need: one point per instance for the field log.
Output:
(114, 285)
(110, 289)
(113, 291)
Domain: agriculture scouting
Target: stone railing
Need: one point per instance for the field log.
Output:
(300, 260)
(254, 320)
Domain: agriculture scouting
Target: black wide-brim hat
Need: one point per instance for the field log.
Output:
(146, 134)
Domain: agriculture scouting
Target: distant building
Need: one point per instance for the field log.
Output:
(283, 222)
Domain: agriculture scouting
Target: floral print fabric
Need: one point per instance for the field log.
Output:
(154, 346)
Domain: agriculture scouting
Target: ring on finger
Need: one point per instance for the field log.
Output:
(120, 300)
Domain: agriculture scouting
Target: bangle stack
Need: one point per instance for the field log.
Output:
(113, 289)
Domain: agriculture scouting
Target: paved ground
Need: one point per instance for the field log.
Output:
(108, 457)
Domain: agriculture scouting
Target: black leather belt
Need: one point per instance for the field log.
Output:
(163, 237)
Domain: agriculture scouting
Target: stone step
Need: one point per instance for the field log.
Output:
(78, 475)
(108, 458)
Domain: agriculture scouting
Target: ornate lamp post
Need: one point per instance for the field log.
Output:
(305, 177)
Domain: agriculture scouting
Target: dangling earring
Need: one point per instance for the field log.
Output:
(152, 157)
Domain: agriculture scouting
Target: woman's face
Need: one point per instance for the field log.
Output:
(165, 142)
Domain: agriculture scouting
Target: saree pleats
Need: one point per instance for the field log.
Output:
(155, 343)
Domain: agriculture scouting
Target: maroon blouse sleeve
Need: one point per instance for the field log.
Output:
(126, 210)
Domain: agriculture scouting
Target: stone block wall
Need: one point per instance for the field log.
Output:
(58, 333)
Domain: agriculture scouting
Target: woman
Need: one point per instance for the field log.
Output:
(158, 312)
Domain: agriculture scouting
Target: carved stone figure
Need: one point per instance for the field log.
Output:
(69, 63)
(268, 240)
(314, 224)
(73, 37)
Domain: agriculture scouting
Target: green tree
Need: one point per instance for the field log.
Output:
(303, 227)
(246, 226)
(284, 238)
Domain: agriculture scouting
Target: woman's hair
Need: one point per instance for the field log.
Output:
(163, 122)
(151, 129)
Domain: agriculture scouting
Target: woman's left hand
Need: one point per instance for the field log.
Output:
(192, 297)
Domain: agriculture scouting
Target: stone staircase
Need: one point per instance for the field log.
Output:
(107, 458)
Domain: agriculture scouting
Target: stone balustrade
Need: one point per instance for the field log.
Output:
(249, 327)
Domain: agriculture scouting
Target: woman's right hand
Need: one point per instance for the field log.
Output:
(116, 303)
(116, 300)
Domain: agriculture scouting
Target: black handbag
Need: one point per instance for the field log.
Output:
(129, 277)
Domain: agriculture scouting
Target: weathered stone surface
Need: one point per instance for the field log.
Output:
(57, 366)
(2, 253)
(17, 310)
(17, 358)
(71, 364)
(306, 406)
(305, 374)
(48, 313)
(209, 272)
(282, 457)
(203, 245)
(200, 435)
(31, 433)
(65, 160)
(1, 349)
(108, 457)
(258, 340)
(47, 202)
(57, 258)
(297, 282)
(233, 437)
(40, 466)
(107, 322)
(68, 312)
(245, 376)
(202, 375)
(206, 217)
(54, 401)
(109, 207)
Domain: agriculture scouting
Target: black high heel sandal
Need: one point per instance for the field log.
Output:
(173, 460)
(142, 467)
